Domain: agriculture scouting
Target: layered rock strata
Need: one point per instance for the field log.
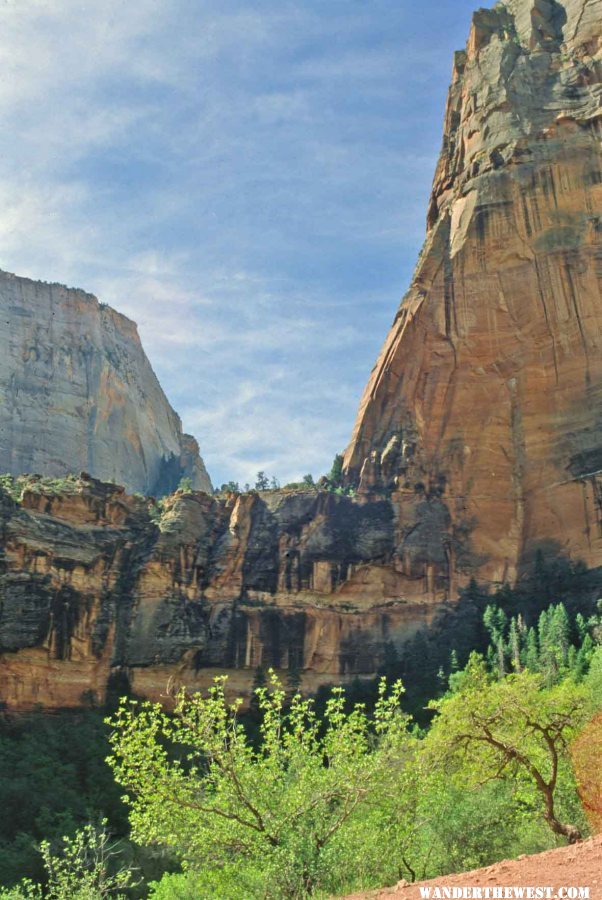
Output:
(482, 418)
(77, 392)
(94, 593)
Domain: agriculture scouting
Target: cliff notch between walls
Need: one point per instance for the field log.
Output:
(482, 419)
(77, 392)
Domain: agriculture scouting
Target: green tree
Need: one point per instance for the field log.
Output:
(336, 472)
(230, 487)
(512, 728)
(265, 820)
(84, 868)
(514, 645)
(185, 485)
(531, 658)
(262, 482)
(495, 622)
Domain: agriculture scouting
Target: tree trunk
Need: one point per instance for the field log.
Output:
(570, 832)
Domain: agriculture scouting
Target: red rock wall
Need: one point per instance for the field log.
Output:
(488, 392)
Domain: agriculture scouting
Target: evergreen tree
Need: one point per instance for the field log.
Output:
(580, 627)
(501, 658)
(572, 663)
(532, 651)
(336, 473)
(495, 622)
(560, 633)
(514, 645)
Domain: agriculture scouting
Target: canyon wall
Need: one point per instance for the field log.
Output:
(99, 590)
(77, 393)
(482, 419)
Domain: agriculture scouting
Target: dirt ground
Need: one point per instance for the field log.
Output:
(576, 866)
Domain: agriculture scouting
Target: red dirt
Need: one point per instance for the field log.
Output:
(579, 865)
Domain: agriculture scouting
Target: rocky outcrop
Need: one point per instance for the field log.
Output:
(95, 595)
(482, 420)
(77, 393)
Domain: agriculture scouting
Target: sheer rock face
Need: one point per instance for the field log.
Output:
(482, 418)
(94, 594)
(77, 392)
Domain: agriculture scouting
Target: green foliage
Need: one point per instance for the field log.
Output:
(82, 869)
(270, 821)
(155, 509)
(335, 475)
(511, 729)
(307, 483)
(336, 805)
(229, 487)
(424, 804)
(16, 485)
(307, 804)
(262, 481)
(558, 645)
(593, 679)
(185, 485)
(53, 779)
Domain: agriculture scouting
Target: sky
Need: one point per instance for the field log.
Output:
(246, 180)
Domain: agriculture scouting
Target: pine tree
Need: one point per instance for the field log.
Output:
(336, 473)
(547, 657)
(495, 622)
(587, 650)
(501, 658)
(580, 627)
(561, 633)
(514, 645)
(532, 651)
(572, 663)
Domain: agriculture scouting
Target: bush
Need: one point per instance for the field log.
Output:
(273, 819)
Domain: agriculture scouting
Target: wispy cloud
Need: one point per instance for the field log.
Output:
(246, 180)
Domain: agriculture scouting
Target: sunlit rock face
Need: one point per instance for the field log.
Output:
(95, 595)
(482, 419)
(77, 393)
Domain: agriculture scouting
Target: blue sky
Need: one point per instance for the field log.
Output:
(246, 180)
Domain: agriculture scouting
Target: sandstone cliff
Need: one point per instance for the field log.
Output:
(77, 393)
(93, 592)
(482, 419)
